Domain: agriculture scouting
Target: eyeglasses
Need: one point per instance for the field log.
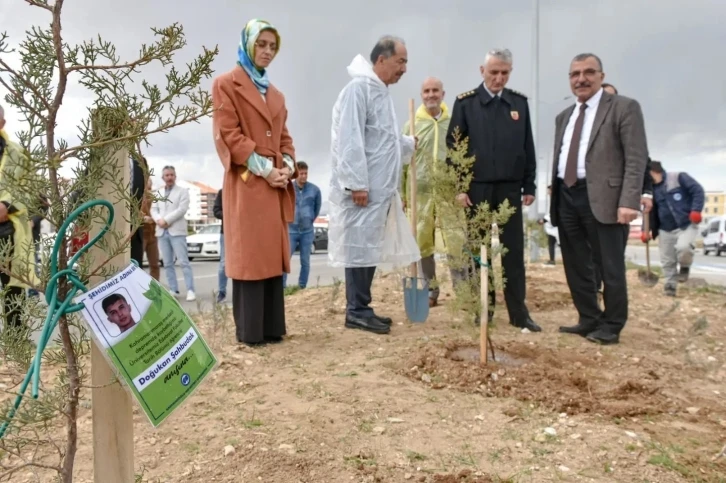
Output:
(587, 73)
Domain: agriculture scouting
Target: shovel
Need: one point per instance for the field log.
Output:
(415, 290)
(647, 277)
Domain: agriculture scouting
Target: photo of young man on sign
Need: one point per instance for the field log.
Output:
(119, 313)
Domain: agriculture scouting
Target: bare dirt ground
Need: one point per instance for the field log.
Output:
(336, 405)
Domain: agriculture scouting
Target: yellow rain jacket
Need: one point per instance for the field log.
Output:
(15, 166)
(431, 151)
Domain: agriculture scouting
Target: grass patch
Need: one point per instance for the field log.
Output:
(664, 457)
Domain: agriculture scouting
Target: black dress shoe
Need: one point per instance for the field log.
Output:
(252, 344)
(528, 324)
(603, 337)
(580, 329)
(369, 324)
(383, 320)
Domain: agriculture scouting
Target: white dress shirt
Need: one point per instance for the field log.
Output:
(498, 94)
(592, 105)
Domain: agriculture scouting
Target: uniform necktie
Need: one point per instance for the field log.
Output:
(571, 168)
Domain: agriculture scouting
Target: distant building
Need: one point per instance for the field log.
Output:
(715, 204)
(201, 203)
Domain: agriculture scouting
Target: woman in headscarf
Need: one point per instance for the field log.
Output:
(258, 199)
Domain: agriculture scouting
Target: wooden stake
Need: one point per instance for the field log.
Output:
(113, 425)
(412, 176)
(484, 316)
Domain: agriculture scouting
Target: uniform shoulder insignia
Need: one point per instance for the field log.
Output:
(466, 94)
(517, 93)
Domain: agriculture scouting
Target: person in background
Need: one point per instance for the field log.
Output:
(551, 232)
(257, 152)
(610, 89)
(497, 123)
(600, 157)
(222, 275)
(678, 203)
(35, 221)
(431, 124)
(137, 185)
(151, 244)
(368, 156)
(171, 231)
(15, 233)
(308, 202)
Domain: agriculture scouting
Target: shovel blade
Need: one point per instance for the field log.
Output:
(649, 279)
(416, 299)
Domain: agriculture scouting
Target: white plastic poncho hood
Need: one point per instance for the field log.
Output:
(368, 153)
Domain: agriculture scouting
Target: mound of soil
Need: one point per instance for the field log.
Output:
(561, 381)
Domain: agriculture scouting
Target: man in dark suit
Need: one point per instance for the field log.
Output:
(601, 155)
(497, 123)
(646, 199)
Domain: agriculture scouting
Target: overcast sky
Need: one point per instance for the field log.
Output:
(662, 53)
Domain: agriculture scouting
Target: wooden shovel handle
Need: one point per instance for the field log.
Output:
(412, 176)
(646, 229)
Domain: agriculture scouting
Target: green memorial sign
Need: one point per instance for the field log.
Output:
(149, 339)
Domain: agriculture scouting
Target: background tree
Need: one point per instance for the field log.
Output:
(126, 109)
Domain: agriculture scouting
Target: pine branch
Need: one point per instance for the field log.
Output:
(41, 3)
(73, 152)
(122, 118)
(4, 67)
(17, 95)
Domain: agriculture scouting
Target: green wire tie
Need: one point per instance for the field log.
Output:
(477, 260)
(57, 310)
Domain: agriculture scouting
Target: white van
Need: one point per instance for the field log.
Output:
(714, 236)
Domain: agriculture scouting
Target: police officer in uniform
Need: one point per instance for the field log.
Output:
(497, 124)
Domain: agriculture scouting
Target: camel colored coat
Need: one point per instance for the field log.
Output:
(256, 241)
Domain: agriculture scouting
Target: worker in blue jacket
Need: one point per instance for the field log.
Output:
(678, 201)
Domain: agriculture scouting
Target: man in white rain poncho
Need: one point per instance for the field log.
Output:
(367, 224)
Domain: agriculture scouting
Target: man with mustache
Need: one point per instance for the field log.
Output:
(496, 122)
(601, 155)
(431, 123)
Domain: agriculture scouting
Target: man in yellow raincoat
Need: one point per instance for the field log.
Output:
(14, 227)
(431, 124)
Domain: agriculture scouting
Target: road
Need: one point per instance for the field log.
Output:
(206, 282)
(709, 267)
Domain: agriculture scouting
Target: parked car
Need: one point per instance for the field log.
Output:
(320, 242)
(714, 238)
(205, 242)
